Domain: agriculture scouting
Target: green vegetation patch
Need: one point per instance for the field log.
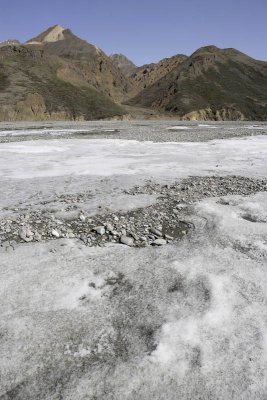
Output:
(3, 81)
(77, 101)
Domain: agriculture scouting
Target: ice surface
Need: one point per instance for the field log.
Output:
(185, 321)
(177, 127)
(188, 319)
(106, 157)
(29, 132)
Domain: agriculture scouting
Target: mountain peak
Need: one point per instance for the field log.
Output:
(123, 63)
(53, 34)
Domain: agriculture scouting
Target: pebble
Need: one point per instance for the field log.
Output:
(109, 227)
(127, 240)
(100, 230)
(168, 237)
(55, 233)
(37, 236)
(156, 232)
(159, 242)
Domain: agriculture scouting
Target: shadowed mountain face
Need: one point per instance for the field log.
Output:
(212, 84)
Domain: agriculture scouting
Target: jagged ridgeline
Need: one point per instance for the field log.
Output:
(58, 76)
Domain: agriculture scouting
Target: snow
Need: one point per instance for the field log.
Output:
(188, 318)
(212, 328)
(177, 127)
(40, 132)
(208, 126)
(107, 157)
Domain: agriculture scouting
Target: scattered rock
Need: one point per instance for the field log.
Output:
(55, 233)
(127, 240)
(159, 242)
(165, 221)
(109, 227)
(156, 232)
(100, 230)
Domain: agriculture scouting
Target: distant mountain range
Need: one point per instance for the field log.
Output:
(57, 75)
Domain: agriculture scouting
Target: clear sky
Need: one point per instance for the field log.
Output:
(144, 30)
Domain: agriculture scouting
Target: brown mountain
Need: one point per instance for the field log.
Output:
(59, 76)
(212, 84)
(148, 74)
(93, 64)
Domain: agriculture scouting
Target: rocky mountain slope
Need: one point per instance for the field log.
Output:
(124, 64)
(212, 84)
(148, 74)
(59, 76)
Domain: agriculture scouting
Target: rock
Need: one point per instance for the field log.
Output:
(155, 232)
(168, 237)
(127, 240)
(109, 227)
(55, 233)
(100, 230)
(82, 218)
(37, 236)
(143, 238)
(25, 234)
(136, 237)
(159, 242)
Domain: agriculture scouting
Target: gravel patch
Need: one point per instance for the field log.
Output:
(156, 131)
(161, 223)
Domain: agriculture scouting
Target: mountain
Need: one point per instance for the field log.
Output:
(56, 75)
(211, 84)
(150, 73)
(93, 64)
(124, 64)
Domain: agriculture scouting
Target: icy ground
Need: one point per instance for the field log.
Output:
(187, 320)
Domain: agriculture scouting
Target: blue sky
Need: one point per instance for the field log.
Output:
(148, 30)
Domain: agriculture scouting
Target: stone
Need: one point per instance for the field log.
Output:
(109, 227)
(55, 233)
(168, 237)
(156, 232)
(159, 242)
(100, 230)
(37, 236)
(127, 240)
(82, 218)
(25, 234)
